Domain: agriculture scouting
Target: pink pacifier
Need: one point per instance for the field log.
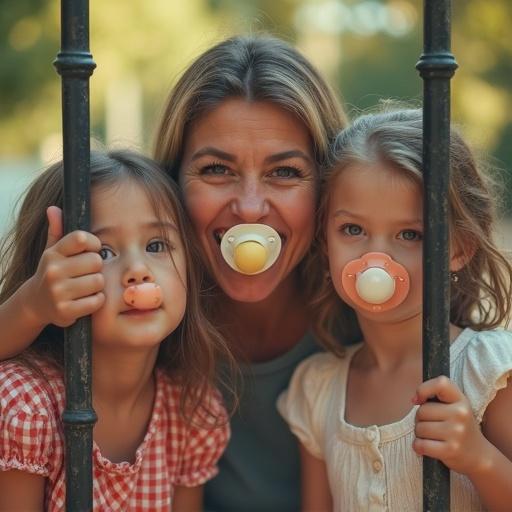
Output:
(375, 282)
(143, 296)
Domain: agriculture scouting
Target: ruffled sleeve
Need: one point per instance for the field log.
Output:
(27, 422)
(486, 368)
(205, 442)
(305, 403)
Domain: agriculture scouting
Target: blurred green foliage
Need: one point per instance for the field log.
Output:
(154, 41)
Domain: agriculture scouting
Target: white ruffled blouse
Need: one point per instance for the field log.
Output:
(374, 468)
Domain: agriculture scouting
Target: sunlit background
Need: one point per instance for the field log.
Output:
(367, 49)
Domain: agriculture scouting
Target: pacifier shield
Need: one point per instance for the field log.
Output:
(143, 296)
(375, 282)
(250, 248)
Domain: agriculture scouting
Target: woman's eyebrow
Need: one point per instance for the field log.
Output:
(211, 151)
(284, 155)
(277, 157)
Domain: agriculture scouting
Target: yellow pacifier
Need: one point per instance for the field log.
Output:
(250, 248)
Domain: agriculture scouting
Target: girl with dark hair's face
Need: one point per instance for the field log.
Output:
(153, 350)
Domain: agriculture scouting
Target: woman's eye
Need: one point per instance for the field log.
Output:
(286, 172)
(106, 253)
(410, 235)
(214, 170)
(352, 229)
(158, 246)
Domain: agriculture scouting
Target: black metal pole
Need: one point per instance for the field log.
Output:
(436, 66)
(74, 63)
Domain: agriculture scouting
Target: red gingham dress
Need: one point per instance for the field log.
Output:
(172, 453)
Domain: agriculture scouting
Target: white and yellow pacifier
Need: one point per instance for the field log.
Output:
(250, 248)
(375, 282)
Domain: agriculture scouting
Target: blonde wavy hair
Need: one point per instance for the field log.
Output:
(482, 296)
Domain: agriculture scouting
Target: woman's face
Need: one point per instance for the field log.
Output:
(250, 162)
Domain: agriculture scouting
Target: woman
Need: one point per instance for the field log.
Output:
(245, 133)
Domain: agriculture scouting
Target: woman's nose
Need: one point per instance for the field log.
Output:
(137, 272)
(251, 204)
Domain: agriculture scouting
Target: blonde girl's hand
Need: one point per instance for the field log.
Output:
(68, 282)
(447, 430)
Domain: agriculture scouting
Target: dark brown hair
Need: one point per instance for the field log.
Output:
(189, 354)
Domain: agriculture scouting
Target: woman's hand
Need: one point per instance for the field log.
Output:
(68, 282)
(447, 430)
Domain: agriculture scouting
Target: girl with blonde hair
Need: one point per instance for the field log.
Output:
(362, 415)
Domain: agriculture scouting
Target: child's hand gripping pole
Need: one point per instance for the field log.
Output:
(68, 283)
(447, 429)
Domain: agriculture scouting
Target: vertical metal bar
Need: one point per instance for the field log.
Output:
(74, 63)
(436, 66)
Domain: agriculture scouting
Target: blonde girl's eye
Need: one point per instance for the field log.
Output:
(158, 246)
(410, 235)
(106, 253)
(352, 229)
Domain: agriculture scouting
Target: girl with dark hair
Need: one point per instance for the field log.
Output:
(161, 424)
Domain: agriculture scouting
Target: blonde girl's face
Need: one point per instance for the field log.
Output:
(374, 208)
(137, 247)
